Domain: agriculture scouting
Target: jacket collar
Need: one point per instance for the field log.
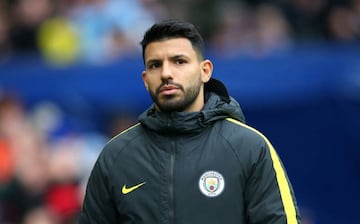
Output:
(218, 105)
(214, 85)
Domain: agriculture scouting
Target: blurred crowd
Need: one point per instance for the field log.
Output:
(45, 161)
(101, 31)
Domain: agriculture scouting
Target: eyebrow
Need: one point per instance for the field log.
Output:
(177, 56)
(180, 56)
(174, 57)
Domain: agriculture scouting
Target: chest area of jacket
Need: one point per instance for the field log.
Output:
(168, 172)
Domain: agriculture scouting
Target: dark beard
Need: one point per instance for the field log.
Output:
(170, 104)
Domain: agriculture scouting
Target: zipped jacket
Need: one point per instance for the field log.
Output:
(205, 167)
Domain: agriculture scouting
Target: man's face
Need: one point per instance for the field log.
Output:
(174, 75)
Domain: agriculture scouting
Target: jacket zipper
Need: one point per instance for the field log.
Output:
(171, 185)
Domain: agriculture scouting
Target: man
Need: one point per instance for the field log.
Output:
(190, 159)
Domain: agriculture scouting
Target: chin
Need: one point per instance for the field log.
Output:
(173, 106)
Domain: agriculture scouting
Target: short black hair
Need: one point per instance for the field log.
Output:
(174, 28)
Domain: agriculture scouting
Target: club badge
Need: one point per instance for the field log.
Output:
(211, 183)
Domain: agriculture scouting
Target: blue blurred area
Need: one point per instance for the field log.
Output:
(306, 101)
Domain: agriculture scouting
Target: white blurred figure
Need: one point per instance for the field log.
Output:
(110, 29)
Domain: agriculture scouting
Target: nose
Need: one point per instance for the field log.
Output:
(166, 73)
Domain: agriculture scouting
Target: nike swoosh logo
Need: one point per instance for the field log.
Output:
(126, 190)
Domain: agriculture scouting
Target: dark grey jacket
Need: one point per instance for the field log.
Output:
(205, 167)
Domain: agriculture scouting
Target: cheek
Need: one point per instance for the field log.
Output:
(152, 85)
(197, 76)
(146, 84)
(148, 81)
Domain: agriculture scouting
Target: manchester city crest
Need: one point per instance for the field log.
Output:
(211, 183)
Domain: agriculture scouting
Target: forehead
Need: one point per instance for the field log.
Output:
(169, 47)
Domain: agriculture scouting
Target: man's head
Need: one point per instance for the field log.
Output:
(173, 53)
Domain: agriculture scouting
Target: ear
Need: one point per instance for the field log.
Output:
(144, 77)
(206, 70)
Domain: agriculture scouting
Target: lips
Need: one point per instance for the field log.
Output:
(168, 89)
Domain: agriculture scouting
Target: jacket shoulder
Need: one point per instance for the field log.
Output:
(118, 143)
(237, 131)
(247, 143)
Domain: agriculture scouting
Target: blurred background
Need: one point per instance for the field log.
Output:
(70, 79)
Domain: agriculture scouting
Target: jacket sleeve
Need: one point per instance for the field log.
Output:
(98, 207)
(269, 195)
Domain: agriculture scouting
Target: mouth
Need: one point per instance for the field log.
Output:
(168, 89)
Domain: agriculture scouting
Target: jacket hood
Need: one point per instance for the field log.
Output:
(218, 105)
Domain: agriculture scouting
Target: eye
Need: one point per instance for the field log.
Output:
(180, 61)
(154, 65)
